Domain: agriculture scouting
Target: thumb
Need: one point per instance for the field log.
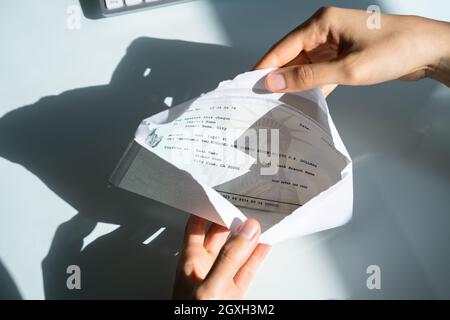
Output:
(303, 77)
(234, 254)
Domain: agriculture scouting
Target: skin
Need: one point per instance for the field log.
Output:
(334, 47)
(211, 267)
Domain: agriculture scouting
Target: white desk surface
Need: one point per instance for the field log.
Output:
(71, 99)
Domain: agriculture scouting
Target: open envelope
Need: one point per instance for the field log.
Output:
(240, 151)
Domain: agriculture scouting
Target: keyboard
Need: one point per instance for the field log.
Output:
(115, 7)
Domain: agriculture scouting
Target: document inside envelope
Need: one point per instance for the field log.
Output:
(267, 154)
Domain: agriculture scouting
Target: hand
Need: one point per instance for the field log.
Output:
(335, 46)
(211, 267)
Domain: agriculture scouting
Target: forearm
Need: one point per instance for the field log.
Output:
(439, 69)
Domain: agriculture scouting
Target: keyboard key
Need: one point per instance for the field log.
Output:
(132, 2)
(110, 8)
(113, 4)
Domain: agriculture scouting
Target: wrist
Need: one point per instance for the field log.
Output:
(438, 67)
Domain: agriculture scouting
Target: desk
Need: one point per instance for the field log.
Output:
(70, 99)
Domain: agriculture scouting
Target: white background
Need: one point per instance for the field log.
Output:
(398, 135)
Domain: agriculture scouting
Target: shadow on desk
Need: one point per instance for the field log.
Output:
(73, 141)
(8, 289)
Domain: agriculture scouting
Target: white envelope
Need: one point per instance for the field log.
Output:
(184, 188)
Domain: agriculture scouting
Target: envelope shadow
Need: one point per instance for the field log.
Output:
(73, 141)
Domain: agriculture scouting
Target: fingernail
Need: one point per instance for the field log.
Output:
(276, 81)
(248, 230)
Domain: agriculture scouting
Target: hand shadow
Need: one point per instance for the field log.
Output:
(8, 288)
(115, 266)
(73, 141)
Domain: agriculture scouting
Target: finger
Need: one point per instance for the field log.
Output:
(215, 238)
(282, 52)
(307, 36)
(194, 234)
(305, 76)
(233, 254)
(248, 270)
(302, 58)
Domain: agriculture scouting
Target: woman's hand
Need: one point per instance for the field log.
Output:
(212, 267)
(335, 46)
